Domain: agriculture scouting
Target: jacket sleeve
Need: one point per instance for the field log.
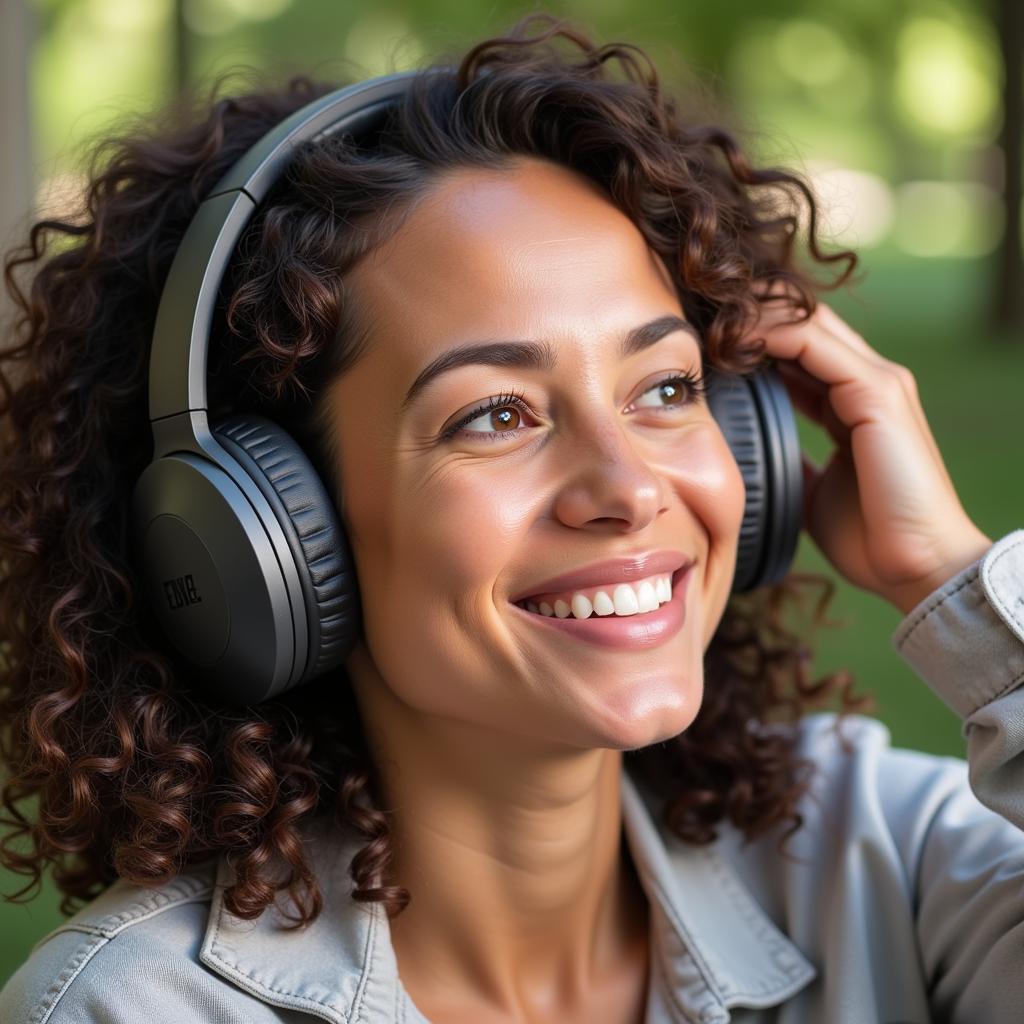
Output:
(966, 642)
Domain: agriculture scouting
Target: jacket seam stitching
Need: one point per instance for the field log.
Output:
(767, 935)
(126, 920)
(199, 897)
(934, 607)
(673, 996)
(708, 978)
(101, 938)
(61, 929)
(988, 575)
(260, 988)
(45, 1009)
(371, 944)
(1008, 688)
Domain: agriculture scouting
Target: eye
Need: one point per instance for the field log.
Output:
(676, 391)
(508, 408)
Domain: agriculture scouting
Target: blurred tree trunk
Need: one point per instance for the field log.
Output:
(1010, 294)
(182, 48)
(16, 162)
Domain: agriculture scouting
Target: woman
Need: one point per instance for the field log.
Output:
(449, 827)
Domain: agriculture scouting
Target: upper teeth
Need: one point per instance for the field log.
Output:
(626, 599)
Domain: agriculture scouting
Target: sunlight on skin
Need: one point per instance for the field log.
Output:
(500, 745)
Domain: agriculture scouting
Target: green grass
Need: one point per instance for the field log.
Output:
(930, 316)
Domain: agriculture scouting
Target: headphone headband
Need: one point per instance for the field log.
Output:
(177, 371)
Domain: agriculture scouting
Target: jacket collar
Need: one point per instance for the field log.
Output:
(717, 948)
(713, 945)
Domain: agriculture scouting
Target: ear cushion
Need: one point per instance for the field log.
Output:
(756, 418)
(732, 406)
(308, 518)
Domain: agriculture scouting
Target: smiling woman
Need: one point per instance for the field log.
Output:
(559, 772)
(596, 460)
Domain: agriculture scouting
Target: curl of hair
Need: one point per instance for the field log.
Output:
(133, 774)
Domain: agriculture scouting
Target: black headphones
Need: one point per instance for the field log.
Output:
(237, 543)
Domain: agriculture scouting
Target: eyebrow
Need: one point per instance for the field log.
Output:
(536, 355)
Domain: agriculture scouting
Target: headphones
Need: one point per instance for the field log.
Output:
(236, 541)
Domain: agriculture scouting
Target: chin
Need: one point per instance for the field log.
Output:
(646, 718)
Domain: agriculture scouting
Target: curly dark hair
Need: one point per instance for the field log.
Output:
(130, 772)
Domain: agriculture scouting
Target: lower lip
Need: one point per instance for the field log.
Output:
(624, 632)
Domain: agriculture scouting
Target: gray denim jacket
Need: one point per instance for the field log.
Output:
(907, 904)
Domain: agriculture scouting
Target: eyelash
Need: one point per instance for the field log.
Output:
(696, 383)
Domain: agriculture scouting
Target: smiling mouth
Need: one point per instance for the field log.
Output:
(533, 608)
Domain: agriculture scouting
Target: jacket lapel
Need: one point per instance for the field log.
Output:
(714, 945)
(340, 968)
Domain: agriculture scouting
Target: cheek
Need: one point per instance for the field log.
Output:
(460, 527)
(712, 487)
(433, 547)
(432, 626)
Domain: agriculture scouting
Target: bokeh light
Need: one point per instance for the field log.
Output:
(811, 52)
(946, 77)
(947, 218)
(381, 42)
(857, 207)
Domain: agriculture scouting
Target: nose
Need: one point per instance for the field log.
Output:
(608, 484)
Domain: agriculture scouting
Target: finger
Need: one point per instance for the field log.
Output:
(827, 318)
(810, 397)
(840, 327)
(808, 394)
(828, 327)
(858, 386)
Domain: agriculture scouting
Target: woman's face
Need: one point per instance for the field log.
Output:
(596, 463)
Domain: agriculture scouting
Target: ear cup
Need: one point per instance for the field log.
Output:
(756, 417)
(317, 541)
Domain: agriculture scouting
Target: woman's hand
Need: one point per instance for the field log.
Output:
(883, 510)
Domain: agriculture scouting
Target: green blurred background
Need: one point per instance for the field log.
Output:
(905, 114)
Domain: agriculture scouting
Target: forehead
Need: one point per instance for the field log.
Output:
(531, 250)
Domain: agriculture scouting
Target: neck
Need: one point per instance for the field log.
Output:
(525, 901)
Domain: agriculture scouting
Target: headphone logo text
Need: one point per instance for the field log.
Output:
(181, 591)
